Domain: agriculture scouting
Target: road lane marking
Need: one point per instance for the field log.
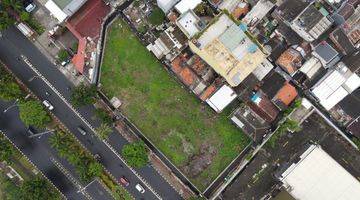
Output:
(27, 61)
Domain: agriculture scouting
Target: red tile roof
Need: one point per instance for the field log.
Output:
(79, 58)
(286, 94)
(87, 21)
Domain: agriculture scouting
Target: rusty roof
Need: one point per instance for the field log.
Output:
(290, 60)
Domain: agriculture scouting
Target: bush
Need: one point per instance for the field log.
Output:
(6, 149)
(63, 55)
(135, 154)
(104, 116)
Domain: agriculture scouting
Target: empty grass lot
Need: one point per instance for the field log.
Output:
(198, 141)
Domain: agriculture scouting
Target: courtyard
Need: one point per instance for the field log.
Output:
(198, 141)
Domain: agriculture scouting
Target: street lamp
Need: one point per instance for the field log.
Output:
(32, 78)
(13, 105)
(83, 188)
(42, 133)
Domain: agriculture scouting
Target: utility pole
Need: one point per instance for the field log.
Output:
(13, 105)
(42, 133)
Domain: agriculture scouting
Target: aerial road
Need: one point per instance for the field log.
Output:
(47, 82)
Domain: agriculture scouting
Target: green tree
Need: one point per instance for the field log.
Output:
(24, 16)
(103, 131)
(95, 169)
(33, 113)
(16, 5)
(6, 149)
(104, 116)
(10, 91)
(157, 17)
(83, 95)
(135, 154)
(38, 189)
(5, 20)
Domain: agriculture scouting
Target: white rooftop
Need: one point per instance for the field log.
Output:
(56, 11)
(223, 97)
(186, 5)
(187, 23)
(335, 86)
(318, 176)
(166, 5)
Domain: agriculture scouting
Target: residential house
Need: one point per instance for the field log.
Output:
(285, 96)
(278, 90)
(169, 44)
(228, 50)
(341, 41)
(190, 24)
(221, 98)
(257, 13)
(316, 175)
(327, 55)
(351, 28)
(263, 106)
(276, 46)
(250, 122)
(290, 36)
(86, 25)
(290, 61)
(185, 5)
(304, 18)
(343, 13)
(338, 82)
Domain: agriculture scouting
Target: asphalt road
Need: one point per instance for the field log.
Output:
(12, 45)
(39, 151)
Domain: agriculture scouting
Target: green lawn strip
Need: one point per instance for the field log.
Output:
(174, 120)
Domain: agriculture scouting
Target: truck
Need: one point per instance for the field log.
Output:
(25, 29)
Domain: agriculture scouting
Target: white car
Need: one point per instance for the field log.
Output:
(29, 8)
(48, 105)
(140, 188)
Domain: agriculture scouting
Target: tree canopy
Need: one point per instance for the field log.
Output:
(6, 149)
(38, 188)
(135, 154)
(33, 113)
(83, 95)
(103, 131)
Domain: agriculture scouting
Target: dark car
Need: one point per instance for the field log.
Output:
(123, 181)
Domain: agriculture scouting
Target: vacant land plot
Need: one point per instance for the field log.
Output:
(200, 142)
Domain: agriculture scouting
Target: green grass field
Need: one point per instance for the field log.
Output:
(186, 131)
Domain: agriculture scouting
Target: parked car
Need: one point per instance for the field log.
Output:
(123, 181)
(140, 188)
(30, 7)
(81, 130)
(48, 105)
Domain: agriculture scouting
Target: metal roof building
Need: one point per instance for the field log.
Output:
(318, 176)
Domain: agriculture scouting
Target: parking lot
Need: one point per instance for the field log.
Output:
(258, 179)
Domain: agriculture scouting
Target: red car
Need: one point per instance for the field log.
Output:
(123, 181)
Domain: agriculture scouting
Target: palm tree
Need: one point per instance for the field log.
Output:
(103, 131)
(5, 20)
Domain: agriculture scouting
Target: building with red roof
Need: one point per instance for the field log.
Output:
(86, 24)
